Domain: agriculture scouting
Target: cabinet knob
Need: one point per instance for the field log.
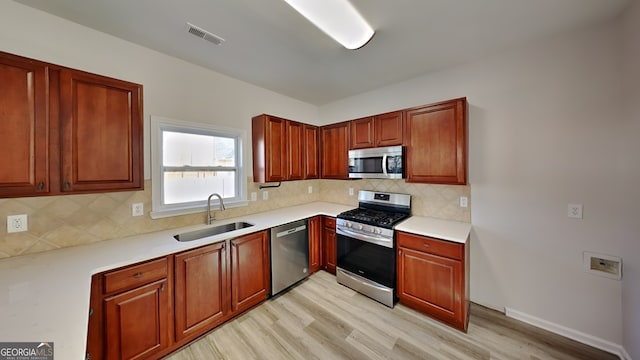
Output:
(41, 185)
(162, 287)
(425, 245)
(137, 275)
(90, 311)
(67, 185)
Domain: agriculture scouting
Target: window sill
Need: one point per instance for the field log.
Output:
(161, 214)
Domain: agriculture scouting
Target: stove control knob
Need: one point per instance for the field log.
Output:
(348, 224)
(378, 231)
(360, 227)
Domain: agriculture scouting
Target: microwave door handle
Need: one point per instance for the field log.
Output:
(384, 164)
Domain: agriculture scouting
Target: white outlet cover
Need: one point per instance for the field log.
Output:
(310, 189)
(17, 223)
(137, 209)
(574, 211)
(254, 196)
(464, 201)
(350, 191)
(265, 195)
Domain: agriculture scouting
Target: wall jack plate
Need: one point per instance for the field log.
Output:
(17, 223)
(603, 265)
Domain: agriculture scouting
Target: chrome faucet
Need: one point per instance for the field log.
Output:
(210, 217)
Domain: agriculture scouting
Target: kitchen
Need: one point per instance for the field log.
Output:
(519, 185)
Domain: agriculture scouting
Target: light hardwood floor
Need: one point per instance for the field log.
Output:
(320, 319)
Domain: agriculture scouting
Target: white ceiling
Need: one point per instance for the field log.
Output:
(272, 46)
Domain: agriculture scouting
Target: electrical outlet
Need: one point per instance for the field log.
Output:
(254, 196)
(464, 201)
(574, 211)
(137, 209)
(310, 189)
(265, 195)
(350, 191)
(17, 223)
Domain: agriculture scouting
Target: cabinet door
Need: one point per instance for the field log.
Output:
(295, 150)
(315, 244)
(389, 129)
(101, 140)
(23, 127)
(329, 244)
(269, 140)
(436, 139)
(249, 270)
(335, 151)
(362, 133)
(200, 290)
(432, 284)
(137, 322)
(312, 152)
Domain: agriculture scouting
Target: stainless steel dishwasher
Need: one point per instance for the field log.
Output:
(289, 255)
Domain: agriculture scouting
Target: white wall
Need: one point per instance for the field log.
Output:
(630, 174)
(172, 87)
(545, 120)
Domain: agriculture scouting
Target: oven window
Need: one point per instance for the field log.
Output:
(374, 262)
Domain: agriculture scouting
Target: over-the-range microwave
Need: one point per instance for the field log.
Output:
(377, 163)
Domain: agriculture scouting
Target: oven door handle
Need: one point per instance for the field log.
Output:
(364, 237)
(363, 280)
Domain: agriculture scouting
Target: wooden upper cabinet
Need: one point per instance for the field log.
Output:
(269, 145)
(389, 129)
(295, 150)
(436, 143)
(362, 133)
(24, 124)
(334, 140)
(101, 142)
(379, 130)
(311, 152)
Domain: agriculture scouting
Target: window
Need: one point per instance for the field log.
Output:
(190, 162)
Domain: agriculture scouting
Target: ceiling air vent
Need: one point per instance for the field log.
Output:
(204, 34)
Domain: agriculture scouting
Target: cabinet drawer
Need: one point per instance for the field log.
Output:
(136, 275)
(330, 222)
(430, 245)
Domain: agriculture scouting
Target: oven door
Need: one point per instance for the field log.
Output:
(371, 261)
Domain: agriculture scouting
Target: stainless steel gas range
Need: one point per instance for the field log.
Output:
(366, 244)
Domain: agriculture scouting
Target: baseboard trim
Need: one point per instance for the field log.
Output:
(573, 334)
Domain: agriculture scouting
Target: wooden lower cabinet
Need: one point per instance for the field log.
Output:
(148, 310)
(137, 322)
(200, 290)
(315, 244)
(250, 271)
(329, 244)
(433, 278)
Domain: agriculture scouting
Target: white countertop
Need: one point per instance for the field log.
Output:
(45, 296)
(442, 229)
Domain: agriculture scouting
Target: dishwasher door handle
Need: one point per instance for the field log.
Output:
(291, 231)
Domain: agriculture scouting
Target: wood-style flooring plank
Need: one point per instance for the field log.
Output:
(320, 319)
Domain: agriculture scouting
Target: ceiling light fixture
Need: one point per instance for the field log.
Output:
(338, 19)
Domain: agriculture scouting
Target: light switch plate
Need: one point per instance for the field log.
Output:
(464, 201)
(254, 196)
(265, 195)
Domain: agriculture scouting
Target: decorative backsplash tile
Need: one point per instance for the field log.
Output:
(62, 221)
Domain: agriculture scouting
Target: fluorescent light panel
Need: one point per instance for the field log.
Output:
(338, 19)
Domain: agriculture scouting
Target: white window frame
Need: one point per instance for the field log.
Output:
(160, 124)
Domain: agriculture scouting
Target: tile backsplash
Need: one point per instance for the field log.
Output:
(62, 221)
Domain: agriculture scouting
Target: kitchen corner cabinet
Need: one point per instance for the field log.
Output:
(334, 140)
(380, 130)
(283, 149)
(329, 245)
(67, 131)
(436, 143)
(315, 244)
(433, 278)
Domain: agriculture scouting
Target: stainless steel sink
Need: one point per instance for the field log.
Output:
(210, 231)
